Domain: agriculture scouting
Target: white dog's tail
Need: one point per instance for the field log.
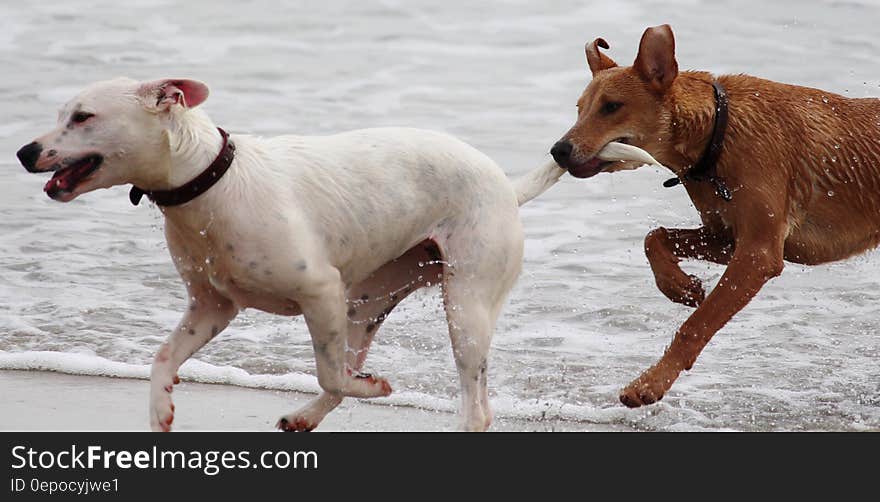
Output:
(538, 181)
(534, 183)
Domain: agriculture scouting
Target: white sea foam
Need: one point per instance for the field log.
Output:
(201, 372)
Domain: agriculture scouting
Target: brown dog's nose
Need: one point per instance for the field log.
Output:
(561, 152)
(29, 154)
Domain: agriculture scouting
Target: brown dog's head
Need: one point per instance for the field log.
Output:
(623, 104)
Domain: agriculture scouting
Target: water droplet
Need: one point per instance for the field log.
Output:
(757, 94)
(831, 193)
(824, 99)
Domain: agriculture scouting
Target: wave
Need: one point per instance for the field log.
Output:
(505, 406)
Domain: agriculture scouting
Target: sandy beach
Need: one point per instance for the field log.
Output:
(48, 401)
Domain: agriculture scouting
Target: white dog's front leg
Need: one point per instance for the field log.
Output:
(325, 314)
(207, 315)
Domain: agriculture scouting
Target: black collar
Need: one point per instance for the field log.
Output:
(705, 168)
(195, 187)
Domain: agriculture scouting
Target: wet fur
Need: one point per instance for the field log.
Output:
(803, 165)
(337, 228)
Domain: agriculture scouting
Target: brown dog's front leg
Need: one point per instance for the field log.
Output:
(666, 247)
(754, 262)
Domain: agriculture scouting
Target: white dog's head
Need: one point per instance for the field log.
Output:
(113, 133)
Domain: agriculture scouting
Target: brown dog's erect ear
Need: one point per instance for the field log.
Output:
(160, 95)
(596, 59)
(656, 60)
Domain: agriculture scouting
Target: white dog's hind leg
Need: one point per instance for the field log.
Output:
(483, 272)
(324, 308)
(208, 314)
(470, 329)
(369, 304)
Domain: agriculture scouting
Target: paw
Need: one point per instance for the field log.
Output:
(367, 385)
(640, 394)
(682, 288)
(476, 423)
(161, 410)
(295, 424)
(648, 388)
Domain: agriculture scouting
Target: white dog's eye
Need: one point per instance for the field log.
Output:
(80, 117)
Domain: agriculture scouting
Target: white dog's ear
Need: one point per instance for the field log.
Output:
(161, 95)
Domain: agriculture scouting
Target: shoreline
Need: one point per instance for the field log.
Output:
(52, 401)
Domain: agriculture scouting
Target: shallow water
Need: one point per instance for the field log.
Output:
(93, 278)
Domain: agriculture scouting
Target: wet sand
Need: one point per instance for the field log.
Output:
(47, 401)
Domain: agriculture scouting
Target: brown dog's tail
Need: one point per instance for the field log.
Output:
(534, 183)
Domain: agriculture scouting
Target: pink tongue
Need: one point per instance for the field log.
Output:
(57, 183)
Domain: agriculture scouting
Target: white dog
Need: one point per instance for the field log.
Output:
(338, 228)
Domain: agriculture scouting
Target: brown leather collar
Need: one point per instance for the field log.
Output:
(705, 169)
(195, 187)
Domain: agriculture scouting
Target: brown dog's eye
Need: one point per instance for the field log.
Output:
(80, 117)
(611, 107)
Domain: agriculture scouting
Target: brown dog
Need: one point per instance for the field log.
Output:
(802, 167)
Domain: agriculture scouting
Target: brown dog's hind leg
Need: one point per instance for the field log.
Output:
(756, 260)
(666, 247)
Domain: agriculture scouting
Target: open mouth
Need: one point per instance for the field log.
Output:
(595, 165)
(66, 179)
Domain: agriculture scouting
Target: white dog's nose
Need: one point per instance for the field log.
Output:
(29, 154)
